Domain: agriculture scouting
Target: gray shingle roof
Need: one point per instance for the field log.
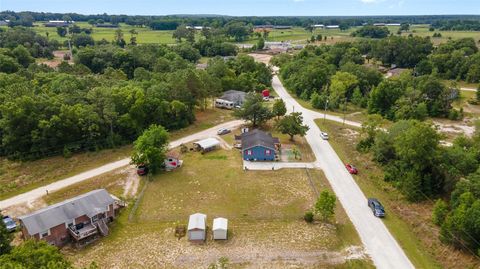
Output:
(89, 204)
(258, 138)
(234, 96)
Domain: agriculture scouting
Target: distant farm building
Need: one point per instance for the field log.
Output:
(4, 23)
(230, 99)
(206, 145)
(80, 220)
(258, 145)
(332, 27)
(321, 26)
(58, 23)
(197, 227)
(220, 228)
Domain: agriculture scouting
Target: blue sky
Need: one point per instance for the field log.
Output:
(249, 7)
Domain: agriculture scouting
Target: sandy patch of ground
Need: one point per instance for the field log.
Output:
(57, 59)
(131, 182)
(263, 58)
(261, 245)
(455, 127)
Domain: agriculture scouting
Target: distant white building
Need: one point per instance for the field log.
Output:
(379, 24)
(393, 24)
(220, 228)
(318, 26)
(332, 26)
(197, 227)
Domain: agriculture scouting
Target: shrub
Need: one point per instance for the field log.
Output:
(440, 212)
(308, 217)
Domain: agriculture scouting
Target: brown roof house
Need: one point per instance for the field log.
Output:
(80, 220)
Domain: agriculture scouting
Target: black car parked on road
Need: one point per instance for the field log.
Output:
(376, 207)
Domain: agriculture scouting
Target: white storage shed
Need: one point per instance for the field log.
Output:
(220, 228)
(208, 144)
(197, 227)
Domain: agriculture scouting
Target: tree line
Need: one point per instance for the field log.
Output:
(110, 95)
(416, 163)
(171, 22)
(337, 75)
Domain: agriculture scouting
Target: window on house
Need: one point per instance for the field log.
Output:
(267, 152)
(249, 152)
(94, 218)
(45, 233)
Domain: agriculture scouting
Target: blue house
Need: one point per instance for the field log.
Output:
(258, 145)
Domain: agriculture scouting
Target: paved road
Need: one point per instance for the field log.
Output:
(379, 243)
(41, 191)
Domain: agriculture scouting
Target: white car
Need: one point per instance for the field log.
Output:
(223, 131)
(324, 136)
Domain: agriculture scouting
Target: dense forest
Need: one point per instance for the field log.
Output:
(171, 22)
(109, 96)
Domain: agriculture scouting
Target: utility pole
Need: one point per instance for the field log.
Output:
(344, 110)
(325, 113)
(69, 45)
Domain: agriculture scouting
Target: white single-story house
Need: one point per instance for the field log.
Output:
(206, 145)
(220, 228)
(197, 227)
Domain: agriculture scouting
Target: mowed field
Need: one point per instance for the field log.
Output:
(264, 209)
(296, 34)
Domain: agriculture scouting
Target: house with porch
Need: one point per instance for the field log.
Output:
(80, 220)
(258, 145)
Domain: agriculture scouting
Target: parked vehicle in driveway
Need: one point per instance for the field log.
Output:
(324, 135)
(9, 223)
(142, 170)
(223, 131)
(351, 169)
(376, 207)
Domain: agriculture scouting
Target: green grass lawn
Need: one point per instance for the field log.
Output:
(145, 35)
(19, 177)
(409, 223)
(264, 209)
(297, 34)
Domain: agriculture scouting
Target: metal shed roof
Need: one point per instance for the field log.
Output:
(208, 143)
(89, 204)
(220, 224)
(197, 221)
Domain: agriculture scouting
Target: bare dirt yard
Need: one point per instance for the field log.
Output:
(264, 208)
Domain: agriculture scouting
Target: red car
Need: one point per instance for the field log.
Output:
(351, 169)
(142, 170)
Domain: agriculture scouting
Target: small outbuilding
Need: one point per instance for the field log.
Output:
(172, 160)
(197, 227)
(220, 228)
(206, 145)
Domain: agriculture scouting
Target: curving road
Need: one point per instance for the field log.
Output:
(381, 246)
(41, 191)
